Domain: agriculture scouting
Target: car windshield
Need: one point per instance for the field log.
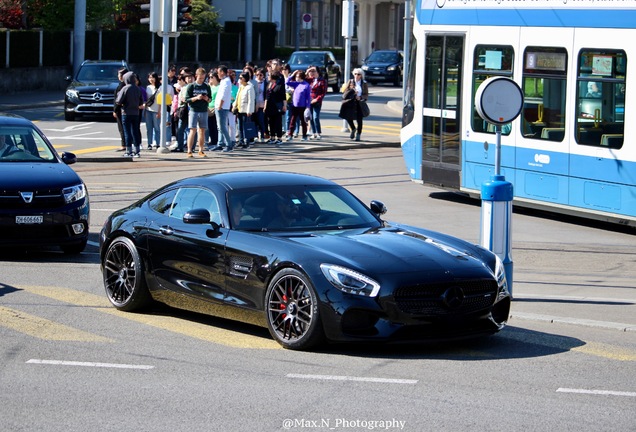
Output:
(306, 59)
(96, 72)
(23, 144)
(298, 208)
(383, 57)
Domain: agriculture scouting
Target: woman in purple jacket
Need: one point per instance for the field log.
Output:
(301, 100)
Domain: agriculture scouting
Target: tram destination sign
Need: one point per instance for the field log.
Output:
(547, 61)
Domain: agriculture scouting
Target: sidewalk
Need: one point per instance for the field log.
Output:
(377, 132)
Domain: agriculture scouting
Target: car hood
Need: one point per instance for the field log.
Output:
(393, 250)
(27, 175)
(96, 85)
(304, 66)
(380, 64)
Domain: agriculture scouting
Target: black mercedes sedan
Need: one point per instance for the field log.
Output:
(302, 256)
(384, 66)
(43, 202)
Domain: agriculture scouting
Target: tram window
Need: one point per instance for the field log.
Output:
(600, 97)
(489, 61)
(544, 93)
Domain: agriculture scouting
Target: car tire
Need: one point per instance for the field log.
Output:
(69, 115)
(292, 313)
(75, 248)
(124, 280)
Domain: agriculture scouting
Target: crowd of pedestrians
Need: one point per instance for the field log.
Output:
(217, 110)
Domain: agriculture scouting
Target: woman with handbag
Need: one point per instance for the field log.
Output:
(244, 106)
(354, 103)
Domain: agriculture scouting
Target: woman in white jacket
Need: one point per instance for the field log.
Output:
(244, 106)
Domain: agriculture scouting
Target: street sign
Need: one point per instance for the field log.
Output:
(307, 21)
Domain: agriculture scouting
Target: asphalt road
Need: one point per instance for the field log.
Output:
(566, 361)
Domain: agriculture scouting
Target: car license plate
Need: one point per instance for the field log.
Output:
(96, 104)
(29, 219)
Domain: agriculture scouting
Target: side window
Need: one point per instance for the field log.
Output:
(192, 198)
(600, 98)
(163, 203)
(544, 91)
(489, 61)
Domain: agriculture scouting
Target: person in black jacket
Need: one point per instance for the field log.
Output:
(131, 100)
(275, 107)
(117, 109)
(354, 96)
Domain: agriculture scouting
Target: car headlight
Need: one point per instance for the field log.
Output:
(72, 94)
(500, 275)
(74, 193)
(391, 68)
(365, 67)
(350, 281)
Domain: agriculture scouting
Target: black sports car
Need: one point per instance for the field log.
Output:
(302, 256)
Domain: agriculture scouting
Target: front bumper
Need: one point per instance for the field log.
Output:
(64, 226)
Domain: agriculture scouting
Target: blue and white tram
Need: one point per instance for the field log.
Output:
(573, 147)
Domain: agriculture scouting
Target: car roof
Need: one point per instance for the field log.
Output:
(260, 179)
(10, 119)
(311, 51)
(102, 62)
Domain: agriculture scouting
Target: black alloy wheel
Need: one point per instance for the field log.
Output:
(292, 311)
(123, 276)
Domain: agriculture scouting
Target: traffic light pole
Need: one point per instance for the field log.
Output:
(165, 33)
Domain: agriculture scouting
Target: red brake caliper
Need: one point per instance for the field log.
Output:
(283, 305)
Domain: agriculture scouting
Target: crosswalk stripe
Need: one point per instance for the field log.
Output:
(44, 329)
(176, 325)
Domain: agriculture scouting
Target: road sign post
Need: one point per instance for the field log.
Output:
(498, 101)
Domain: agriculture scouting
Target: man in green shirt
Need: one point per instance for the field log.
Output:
(198, 95)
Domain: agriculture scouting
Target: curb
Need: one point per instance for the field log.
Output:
(154, 157)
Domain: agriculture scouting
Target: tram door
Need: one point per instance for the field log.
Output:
(441, 152)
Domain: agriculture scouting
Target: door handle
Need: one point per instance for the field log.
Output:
(166, 230)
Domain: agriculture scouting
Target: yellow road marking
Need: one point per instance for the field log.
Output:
(607, 351)
(95, 149)
(44, 329)
(176, 325)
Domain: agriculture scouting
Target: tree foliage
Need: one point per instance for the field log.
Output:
(100, 14)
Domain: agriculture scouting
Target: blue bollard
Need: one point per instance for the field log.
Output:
(496, 221)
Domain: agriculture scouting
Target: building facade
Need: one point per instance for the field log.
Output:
(318, 24)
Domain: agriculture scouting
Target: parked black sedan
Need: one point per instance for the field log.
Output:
(43, 202)
(384, 66)
(302, 256)
(326, 63)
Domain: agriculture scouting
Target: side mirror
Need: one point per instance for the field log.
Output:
(197, 216)
(378, 207)
(68, 78)
(69, 158)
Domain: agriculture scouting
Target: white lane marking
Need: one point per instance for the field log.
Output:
(596, 392)
(353, 378)
(89, 364)
(574, 298)
(576, 321)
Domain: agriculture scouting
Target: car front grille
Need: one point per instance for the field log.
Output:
(42, 199)
(97, 96)
(438, 300)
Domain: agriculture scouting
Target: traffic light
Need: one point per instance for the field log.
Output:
(181, 14)
(154, 17)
